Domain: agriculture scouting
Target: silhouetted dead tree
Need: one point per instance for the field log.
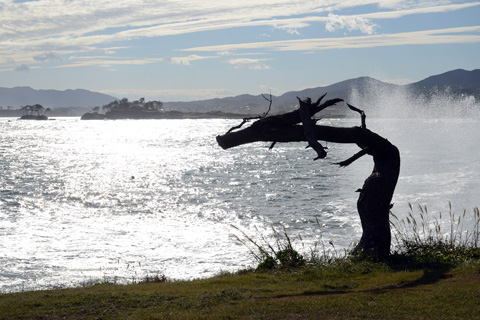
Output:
(374, 201)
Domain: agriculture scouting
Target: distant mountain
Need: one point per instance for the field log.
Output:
(363, 91)
(456, 82)
(366, 91)
(288, 101)
(21, 96)
(455, 79)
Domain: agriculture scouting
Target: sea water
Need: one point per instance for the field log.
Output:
(86, 201)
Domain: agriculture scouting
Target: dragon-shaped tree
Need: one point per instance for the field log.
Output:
(374, 201)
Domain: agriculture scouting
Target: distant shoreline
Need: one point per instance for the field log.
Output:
(174, 115)
(161, 115)
(33, 117)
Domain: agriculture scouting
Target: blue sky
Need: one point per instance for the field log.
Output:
(177, 50)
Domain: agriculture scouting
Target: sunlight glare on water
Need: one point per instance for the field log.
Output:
(118, 200)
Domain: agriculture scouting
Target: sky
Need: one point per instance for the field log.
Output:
(184, 50)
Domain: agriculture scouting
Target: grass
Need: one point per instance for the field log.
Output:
(418, 282)
(421, 237)
(349, 291)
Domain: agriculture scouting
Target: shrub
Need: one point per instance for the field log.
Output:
(281, 255)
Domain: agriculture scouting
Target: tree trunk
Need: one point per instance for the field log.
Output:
(374, 203)
(375, 197)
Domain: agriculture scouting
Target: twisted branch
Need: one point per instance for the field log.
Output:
(365, 150)
(245, 120)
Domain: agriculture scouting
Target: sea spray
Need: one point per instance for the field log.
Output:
(384, 101)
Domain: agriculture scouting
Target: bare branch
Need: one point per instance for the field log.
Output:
(245, 120)
(316, 104)
(325, 105)
(282, 125)
(269, 106)
(355, 157)
(362, 115)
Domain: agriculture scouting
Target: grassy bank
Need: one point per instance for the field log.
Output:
(345, 291)
(430, 275)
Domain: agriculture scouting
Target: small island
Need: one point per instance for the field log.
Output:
(124, 109)
(35, 112)
(141, 109)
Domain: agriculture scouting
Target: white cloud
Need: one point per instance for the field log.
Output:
(63, 17)
(350, 23)
(291, 25)
(104, 61)
(246, 63)
(84, 61)
(436, 8)
(108, 67)
(441, 36)
(407, 4)
(80, 24)
(22, 68)
(34, 31)
(48, 56)
(184, 60)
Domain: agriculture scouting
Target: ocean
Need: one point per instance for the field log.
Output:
(86, 201)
